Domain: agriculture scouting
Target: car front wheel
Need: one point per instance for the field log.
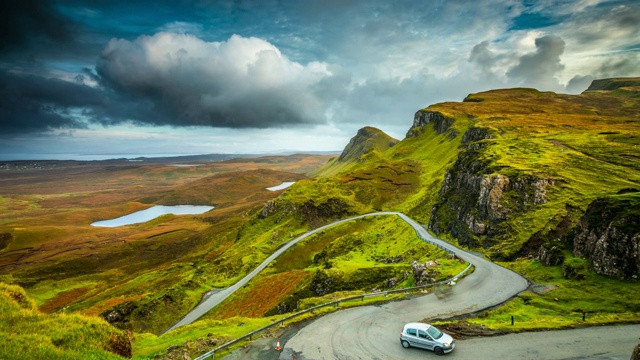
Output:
(439, 351)
(405, 344)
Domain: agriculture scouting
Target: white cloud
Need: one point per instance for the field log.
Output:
(241, 82)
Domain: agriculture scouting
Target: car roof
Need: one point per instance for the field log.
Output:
(417, 325)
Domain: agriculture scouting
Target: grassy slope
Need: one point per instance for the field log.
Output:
(559, 136)
(352, 255)
(604, 301)
(587, 143)
(26, 333)
(70, 267)
(367, 140)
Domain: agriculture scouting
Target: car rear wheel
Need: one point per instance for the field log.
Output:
(439, 351)
(405, 344)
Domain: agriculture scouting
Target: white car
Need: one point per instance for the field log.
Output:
(428, 337)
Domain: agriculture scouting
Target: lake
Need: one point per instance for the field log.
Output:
(284, 185)
(152, 213)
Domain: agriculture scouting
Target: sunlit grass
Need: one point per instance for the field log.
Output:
(603, 300)
(25, 333)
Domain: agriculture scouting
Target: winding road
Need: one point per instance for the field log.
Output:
(372, 332)
(215, 299)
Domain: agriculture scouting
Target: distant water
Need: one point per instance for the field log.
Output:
(284, 185)
(81, 157)
(152, 213)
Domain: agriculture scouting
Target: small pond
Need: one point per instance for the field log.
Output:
(284, 185)
(152, 213)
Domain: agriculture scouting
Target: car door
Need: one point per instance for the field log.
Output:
(425, 340)
(412, 337)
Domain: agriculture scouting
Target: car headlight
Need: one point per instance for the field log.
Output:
(446, 345)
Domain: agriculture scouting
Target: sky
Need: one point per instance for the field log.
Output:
(84, 79)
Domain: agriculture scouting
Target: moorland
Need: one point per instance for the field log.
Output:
(527, 178)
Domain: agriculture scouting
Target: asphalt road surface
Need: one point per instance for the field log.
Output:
(594, 343)
(373, 332)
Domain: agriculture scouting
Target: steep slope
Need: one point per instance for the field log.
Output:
(504, 169)
(609, 235)
(367, 140)
(26, 333)
(532, 157)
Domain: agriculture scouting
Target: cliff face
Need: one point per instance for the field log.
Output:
(609, 236)
(422, 118)
(613, 83)
(527, 166)
(474, 201)
(367, 139)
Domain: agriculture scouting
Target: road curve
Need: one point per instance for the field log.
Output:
(220, 296)
(593, 343)
(372, 332)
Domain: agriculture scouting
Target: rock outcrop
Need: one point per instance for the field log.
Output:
(635, 355)
(424, 273)
(475, 200)
(314, 214)
(366, 140)
(422, 118)
(613, 83)
(609, 236)
(550, 256)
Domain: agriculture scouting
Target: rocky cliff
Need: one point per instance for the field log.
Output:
(439, 121)
(613, 83)
(609, 236)
(475, 200)
(367, 139)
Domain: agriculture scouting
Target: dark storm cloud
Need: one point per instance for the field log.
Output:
(23, 23)
(239, 83)
(538, 68)
(30, 103)
(33, 28)
(36, 104)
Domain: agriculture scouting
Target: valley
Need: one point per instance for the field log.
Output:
(542, 186)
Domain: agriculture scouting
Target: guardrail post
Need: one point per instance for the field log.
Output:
(511, 319)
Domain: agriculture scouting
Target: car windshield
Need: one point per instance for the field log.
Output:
(435, 333)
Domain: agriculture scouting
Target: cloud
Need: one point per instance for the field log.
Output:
(538, 68)
(578, 84)
(30, 103)
(482, 56)
(32, 26)
(239, 83)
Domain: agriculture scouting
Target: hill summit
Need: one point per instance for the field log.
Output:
(367, 140)
(614, 83)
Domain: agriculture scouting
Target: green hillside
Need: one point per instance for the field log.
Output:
(26, 333)
(500, 166)
(517, 174)
(367, 142)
